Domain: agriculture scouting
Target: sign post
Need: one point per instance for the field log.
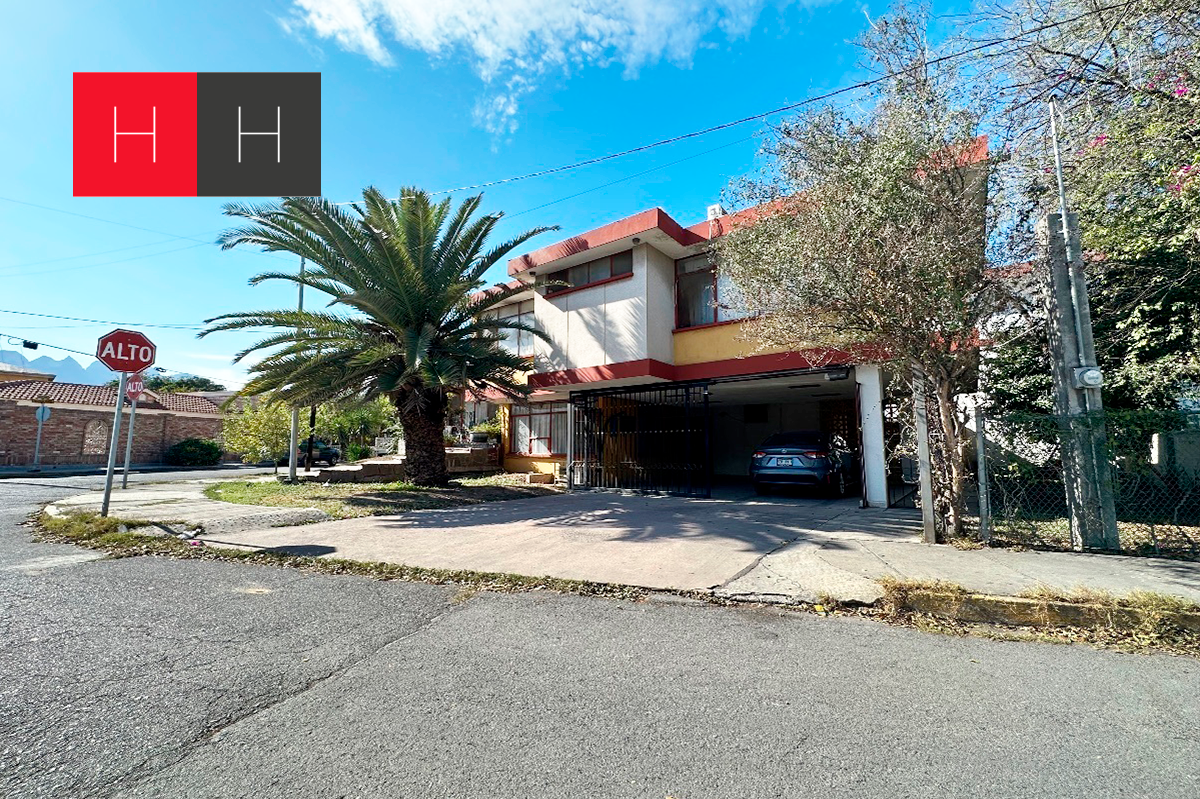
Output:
(42, 414)
(124, 351)
(133, 390)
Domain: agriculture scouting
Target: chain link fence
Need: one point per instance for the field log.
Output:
(1154, 458)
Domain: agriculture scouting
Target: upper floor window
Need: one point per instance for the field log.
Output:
(703, 296)
(592, 272)
(518, 341)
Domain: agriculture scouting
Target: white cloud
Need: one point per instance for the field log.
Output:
(511, 44)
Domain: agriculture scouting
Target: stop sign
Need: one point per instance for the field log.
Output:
(134, 387)
(125, 351)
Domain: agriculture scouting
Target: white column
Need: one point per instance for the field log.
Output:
(870, 410)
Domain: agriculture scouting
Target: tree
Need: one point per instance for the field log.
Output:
(355, 422)
(407, 319)
(259, 431)
(168, 384)
(1128, 80)
(871, 231)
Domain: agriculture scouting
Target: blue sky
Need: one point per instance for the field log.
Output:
(439, 95)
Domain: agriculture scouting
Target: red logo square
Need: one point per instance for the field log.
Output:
(135, 134)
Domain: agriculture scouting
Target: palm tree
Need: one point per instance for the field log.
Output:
(406, 319)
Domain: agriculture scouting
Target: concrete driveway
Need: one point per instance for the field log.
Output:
(651, 541)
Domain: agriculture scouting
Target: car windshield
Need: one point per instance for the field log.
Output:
(802, 438)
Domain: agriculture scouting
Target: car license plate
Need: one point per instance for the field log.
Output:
(783, 461)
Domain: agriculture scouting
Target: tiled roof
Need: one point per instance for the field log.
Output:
(102, 396)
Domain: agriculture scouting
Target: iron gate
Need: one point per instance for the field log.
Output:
(646, 438)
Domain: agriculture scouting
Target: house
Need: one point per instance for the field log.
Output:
(10, 372)
(646, 382)
(80, 424)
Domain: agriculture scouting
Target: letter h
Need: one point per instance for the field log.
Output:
(275, 133)
(152, 133)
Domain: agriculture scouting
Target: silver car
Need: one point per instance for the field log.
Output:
(804, 458)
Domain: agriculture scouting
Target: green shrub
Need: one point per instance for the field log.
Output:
(194, 452)
(493, 427)
(355, 452)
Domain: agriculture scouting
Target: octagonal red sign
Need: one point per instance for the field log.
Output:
(125, 351)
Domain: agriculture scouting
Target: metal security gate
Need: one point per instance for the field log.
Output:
(647, 438)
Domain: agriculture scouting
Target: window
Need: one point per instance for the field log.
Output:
(519, 341)
(592, 272)
(702, 296)
(539, 429)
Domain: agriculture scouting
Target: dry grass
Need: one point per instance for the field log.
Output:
(348, 500)
(1181, 542)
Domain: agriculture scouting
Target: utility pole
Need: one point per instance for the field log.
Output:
(1077, 380)
(293, 438)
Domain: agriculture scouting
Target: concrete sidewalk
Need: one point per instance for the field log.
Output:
(184, 501)
(776, 549)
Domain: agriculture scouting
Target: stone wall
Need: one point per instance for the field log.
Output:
(64, 434)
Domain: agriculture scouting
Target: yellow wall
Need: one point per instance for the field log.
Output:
(715, 343)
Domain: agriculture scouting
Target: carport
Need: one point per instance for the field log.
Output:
(684, 438)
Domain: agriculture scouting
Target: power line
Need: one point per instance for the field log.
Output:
(105, 263)
(863, 84)
(628, 177)
(126, 224)
(93, 356)
(93, 254)
(179, 326)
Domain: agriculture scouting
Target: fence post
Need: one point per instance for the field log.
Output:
(985, 500)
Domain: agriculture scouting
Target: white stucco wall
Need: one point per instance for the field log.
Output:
(660, 301)
(605, 324)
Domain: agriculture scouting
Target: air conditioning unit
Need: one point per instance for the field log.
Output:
(715, 211)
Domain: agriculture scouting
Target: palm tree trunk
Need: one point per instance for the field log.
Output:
(424, 446)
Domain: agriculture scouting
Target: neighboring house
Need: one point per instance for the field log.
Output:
(10, 373)
(645, 382)
(80, 423)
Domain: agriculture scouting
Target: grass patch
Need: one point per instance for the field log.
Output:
(349, 500)
(95, 532)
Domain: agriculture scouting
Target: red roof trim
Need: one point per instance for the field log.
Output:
(652, 219)
(731, 367)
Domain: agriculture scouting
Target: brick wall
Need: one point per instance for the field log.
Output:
(63, 434)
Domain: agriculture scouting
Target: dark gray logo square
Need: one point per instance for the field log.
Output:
(258, 134)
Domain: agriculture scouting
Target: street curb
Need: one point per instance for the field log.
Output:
(1021, 612)
(100, 471)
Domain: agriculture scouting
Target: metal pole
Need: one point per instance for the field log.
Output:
(985, 500)
(37, 446)
(128, 446)
(294, 437)
(114, 440)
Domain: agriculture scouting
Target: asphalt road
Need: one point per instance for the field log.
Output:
(146, 677)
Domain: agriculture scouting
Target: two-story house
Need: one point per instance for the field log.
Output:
(645, 382)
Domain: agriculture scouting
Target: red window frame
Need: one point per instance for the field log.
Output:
(528, 412)
(609, 276)
(712, 274)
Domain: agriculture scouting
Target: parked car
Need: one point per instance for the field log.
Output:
(323, 451)
(804, 458)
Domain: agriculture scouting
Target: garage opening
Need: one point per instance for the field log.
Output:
(746, 412)
(646, 438)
